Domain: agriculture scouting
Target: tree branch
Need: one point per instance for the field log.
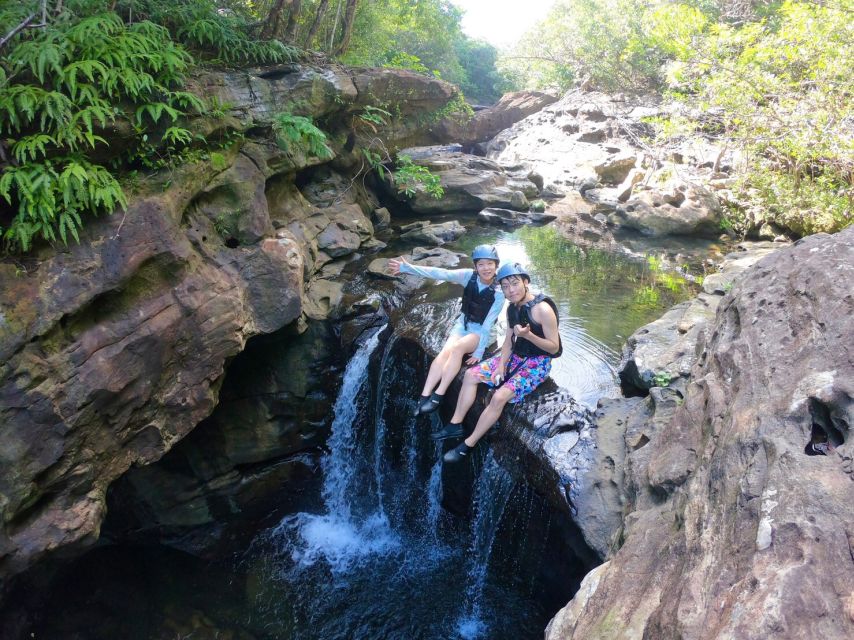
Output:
(24, 25)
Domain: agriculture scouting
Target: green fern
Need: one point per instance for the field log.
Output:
(300, 131)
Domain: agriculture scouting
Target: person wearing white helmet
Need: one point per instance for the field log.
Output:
(531, 342)
(470, 333)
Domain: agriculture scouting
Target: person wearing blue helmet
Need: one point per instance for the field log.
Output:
(482, 302)
(531, 342)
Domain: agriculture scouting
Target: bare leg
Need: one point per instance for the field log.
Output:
(490, 415)
(435, 373)
(466, 398)
(464, 345)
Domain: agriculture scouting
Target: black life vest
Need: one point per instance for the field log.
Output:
(476, 303)
(522, 315)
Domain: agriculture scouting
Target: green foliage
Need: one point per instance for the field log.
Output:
(97, 64)
(770, 79)
(51, 194)
(216, 33)
(780, 91)
(300, 131)
(62, 85)
(407, 177)
(410, 178)
(372, 117)
(661, 379)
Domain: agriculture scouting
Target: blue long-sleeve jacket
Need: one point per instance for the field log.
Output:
(461, 277)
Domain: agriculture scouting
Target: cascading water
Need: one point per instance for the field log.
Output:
(383, 559)
(336, 536)
(492, 492)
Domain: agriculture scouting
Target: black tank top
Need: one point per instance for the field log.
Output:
(522, 315)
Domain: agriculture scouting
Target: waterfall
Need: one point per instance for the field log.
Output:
(382, 397)
(339, 536)
(434, 496)
(491, 494)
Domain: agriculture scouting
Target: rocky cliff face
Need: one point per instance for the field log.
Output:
(113, 350)
(730, 529)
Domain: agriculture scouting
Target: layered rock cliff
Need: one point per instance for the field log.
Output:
(729, 528)
(114, 349)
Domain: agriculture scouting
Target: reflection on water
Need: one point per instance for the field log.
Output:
(603, 297)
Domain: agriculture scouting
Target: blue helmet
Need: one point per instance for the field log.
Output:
(484, 252)
(512, 269)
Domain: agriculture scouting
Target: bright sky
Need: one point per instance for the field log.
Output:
(501, 22)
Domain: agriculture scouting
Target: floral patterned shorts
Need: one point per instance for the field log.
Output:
(526, 378)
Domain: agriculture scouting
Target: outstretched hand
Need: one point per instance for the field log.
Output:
(394, 265)
(472, 360)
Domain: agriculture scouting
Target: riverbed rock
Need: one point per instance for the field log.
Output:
(675, 208)
(616, 168)
(664, 350)
(486, 123)
(381, 218)
(511, 218)
(426, 232)
(741, 522)
(470, 183)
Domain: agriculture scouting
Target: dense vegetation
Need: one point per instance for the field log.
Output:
(75, 73)
(770, 79)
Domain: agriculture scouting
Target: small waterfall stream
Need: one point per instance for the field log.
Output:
(383, 558)
(492, 492)
(339, 536)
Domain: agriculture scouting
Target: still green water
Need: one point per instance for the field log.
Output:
(603, 296)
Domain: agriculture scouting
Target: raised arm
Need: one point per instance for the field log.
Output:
(458, 276)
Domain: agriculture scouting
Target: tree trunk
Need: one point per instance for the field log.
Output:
(272, 25)
(291, 29)
(318, 18)
(347, 31)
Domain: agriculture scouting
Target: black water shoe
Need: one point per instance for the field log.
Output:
(429, 405)
(421, 400)
(458, 453)
(450, 430)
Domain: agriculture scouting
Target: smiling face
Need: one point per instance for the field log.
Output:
(485, 269)
(515, 288)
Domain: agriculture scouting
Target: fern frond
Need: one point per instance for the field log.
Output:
(31, 147)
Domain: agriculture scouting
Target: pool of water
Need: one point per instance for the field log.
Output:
(603, 296)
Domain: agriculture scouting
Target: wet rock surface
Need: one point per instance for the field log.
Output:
(727, 521)
(662, 352)
(113, 350)
(511, 218)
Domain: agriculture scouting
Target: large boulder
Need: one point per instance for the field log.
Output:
(729, 522)
(511, 218)
(676, 207)
(470, 183)
(486, 123)
(114, 349)
(425, 232)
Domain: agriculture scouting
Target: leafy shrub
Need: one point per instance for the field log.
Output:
(410, 177)
(300, 131)
(94, 65)
(61, 86)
